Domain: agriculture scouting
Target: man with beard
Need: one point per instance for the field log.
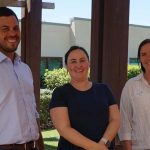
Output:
(18, 116)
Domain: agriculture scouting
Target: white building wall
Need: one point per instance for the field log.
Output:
(55, 39)
(83, 33)
(72, 33)
(136, 35)
(19, 46)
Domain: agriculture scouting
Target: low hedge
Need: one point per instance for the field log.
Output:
(45, 97)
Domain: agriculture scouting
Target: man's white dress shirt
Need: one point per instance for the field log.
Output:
(17, 102)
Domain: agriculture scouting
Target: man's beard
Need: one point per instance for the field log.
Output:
(8, 49)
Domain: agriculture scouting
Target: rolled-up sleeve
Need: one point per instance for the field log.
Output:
(126, 114)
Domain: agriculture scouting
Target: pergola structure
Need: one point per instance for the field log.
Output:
(109, 41)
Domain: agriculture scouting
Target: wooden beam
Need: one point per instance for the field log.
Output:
(4, 3)
(46, 5)
(16, 3)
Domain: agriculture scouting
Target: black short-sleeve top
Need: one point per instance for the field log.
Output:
(88, 110)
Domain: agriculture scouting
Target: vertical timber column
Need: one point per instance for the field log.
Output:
(31, 46)
(31, 41)
(109, 43)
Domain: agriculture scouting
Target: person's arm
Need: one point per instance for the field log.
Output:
(40, 142)
(126, 114)
(60, 119)
(127, 145)
(114, 123)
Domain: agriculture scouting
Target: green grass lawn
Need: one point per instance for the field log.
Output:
(50, 138)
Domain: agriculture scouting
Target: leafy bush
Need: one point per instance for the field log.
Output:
(56, 77)
(53, 79)
(45, 96)
(133, 70)
(42, 82)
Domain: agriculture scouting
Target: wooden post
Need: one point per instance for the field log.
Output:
(109, 44)
(31, 46)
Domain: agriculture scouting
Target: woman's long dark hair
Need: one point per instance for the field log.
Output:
(139, 52)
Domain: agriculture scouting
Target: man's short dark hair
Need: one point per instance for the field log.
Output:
(4, 11)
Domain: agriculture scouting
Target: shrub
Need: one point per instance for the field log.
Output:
(53, 79)
(56, 77)
(42, 82)
(133, 70)
(45, 96)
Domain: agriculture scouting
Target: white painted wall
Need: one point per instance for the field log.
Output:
(83, 33)
(55, 39)
(136, 35)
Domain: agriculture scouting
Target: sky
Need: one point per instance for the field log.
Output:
(140, 12)
(65, 10)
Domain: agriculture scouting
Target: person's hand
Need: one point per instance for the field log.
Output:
(102, 146)
(98, 146)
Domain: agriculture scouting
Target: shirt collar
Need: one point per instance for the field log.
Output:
(139, 77)
(4, 57)
(17, 58)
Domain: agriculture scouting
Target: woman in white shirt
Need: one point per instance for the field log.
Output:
(135, 105)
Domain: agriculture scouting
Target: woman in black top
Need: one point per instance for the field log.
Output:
(84, 113)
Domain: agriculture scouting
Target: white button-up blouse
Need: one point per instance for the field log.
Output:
(135, 113)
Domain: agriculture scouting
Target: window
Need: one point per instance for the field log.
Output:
(50, 63)
(133, 61)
